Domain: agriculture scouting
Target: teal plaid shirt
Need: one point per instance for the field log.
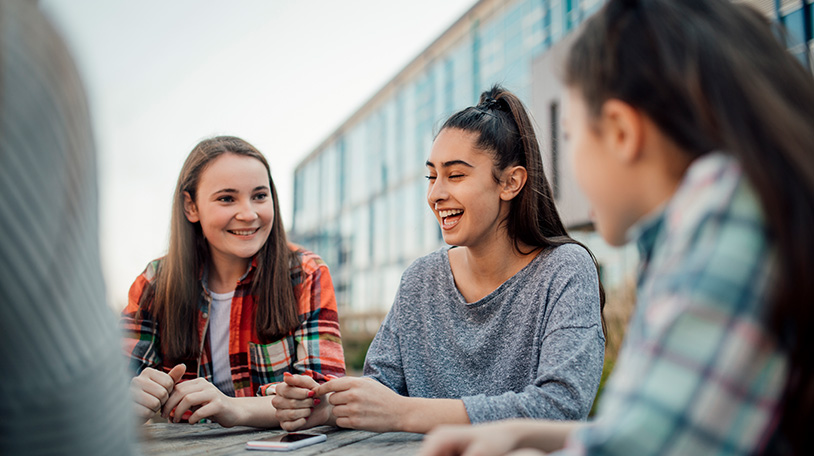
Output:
(699, 372)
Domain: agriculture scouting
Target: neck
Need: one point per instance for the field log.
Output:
(224, 275)
(497, 260)
(661, 171)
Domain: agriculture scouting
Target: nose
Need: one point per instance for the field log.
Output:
(246, 213)
(436, 192)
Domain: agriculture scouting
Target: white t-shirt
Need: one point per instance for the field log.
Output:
(219, 315)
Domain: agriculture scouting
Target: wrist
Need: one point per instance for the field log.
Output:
(408, 414)
(329, 418)
(239, 413)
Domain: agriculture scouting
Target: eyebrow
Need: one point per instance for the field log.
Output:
(232, 190)
(447, 164)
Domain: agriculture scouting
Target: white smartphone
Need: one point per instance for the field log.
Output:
(286, 442)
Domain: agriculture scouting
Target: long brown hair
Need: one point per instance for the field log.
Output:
(713, 76)
(175, 293)
(505, 131)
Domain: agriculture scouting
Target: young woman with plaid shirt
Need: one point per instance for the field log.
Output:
(213, 326)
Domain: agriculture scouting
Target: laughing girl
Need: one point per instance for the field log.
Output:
(504, 323)
(212, 326)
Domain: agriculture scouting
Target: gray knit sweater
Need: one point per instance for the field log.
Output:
(532, 348)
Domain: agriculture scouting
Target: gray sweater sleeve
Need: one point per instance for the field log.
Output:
(383, 361)
(573, 348)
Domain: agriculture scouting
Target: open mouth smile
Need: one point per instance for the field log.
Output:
(450, 217)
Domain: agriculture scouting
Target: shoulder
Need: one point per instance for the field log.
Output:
(570, 253)
(566, 260)
(714, 246)
(307, 262)
(715, 219)
(425, 279)
(151, 271)
(143, 283)
(428, 265)
(714, 190)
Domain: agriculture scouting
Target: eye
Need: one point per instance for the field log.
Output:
(430, 178)
(226, 199)
(455, 176)
(261, 196)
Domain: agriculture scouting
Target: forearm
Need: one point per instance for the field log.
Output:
(547, 436)
(256, 412)
(421, 415)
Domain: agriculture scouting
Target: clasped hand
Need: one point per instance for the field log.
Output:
(350, 402)
(154, 392)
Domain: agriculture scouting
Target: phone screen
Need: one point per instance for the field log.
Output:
(290, 437)
(286, 442)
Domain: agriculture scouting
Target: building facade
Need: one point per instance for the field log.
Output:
(360, 196)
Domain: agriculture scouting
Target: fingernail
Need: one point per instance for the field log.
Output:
(311, 394)
(287, 374)
(316, 402)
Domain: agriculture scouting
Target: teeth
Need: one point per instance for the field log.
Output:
(449, 213)
(244, 232)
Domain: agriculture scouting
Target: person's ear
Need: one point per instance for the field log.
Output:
(622, 130)
(514, 181)
(190, 208)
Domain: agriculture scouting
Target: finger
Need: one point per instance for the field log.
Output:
(527, 452)
(180, 391)
(342, 398)
(209, 410)
(444, 442)
(344, 422)
(292, 415)
(293, 425)
(191, 400)
(301, 381)
(146, 386)
(147, 401)
(477, 448)
(294, 392)
(150, 374)
(144, 412)
(282, 403)
(175, 398)
(177, 372)
(340, 384)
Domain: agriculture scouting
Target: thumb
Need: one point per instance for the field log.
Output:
(177, 372)
(300, 381)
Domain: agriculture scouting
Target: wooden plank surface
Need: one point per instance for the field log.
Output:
(213, 439)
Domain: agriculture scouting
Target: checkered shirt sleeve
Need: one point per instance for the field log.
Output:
(699, 373)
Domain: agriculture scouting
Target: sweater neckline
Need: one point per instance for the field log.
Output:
(497, 292)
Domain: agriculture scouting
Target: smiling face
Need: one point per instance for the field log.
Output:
(462, 192)
(234, 207)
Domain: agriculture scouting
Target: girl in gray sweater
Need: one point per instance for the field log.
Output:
(505, 323)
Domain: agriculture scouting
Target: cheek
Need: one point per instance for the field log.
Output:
(595, 180)
(585, 169)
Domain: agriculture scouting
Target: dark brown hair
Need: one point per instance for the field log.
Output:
(177, 288)
(505, 131)
(713, 76)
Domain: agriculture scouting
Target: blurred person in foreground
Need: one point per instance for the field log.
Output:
(692, 133)
(63, 388)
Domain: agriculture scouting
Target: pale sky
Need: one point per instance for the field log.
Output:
(163, 74)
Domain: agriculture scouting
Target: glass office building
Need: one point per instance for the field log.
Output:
(360, 196)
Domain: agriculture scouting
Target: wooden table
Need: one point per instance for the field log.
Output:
(213, 439)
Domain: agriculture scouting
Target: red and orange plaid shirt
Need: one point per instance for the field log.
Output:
(314, 348)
